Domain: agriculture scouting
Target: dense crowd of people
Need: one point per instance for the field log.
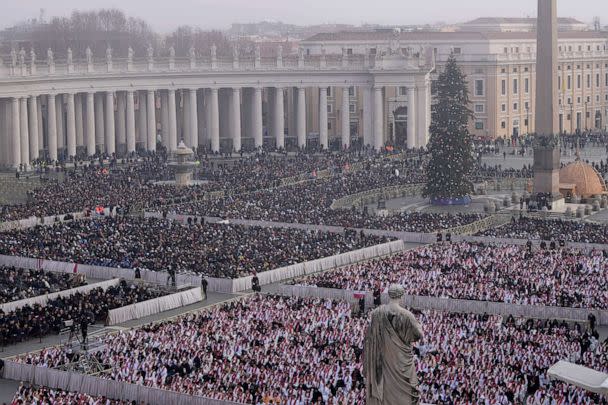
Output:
(217, 250)
(36, 395)
(262, 350)
(133, 184)
(40, 320)
(504, 273)
(17, 284)
(550, 230)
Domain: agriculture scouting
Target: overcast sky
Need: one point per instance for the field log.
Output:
(164, 15)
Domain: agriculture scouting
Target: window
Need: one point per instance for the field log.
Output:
(578, 81)
(479, 88)
(569, 82)
(559, 82)
(330, 108)
(515, 106)
(514, 70)
(526, 85)
(503, 124)
(504, 88)
(352, 92)
(578, 100)
(526, 69)
(478, 125)
(588, 81)
(457, 51)
(503, 108)
(515, 89)
(516, 123)
(526, 122)
(352, 108)
(503, 70)
(478, 71)
(588, 99)
(527, 105)
(349, 51)
(329, 92)
(329, 125)
(597, 80)
(372, 51)
(479, 108)
(506, 50)
(606, 79)
(402, 91)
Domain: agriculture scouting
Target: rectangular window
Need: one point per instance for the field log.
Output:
(515, 106)
(515, 89)
(588, 81)
(329, 92)
(329, 125)
(372, 51)
(597, 80)
(504, 88)
(527, 105)
(527, 85)
(569, 82)
(352, 108)
(503, 124)
(352, 91)
(349, 51)
(329, 108)
(578, 81)
(479, 125)
(559, 82)
(402, 91)
(457, 51)
(479, 108)
(503, 108)
(479, 88)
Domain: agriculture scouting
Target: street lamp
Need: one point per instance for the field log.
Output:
(586, 128)
(527, 119)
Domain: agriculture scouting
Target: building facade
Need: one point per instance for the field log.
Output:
(80, 107)
(500, 67)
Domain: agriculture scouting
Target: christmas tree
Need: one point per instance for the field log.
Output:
(450, 146)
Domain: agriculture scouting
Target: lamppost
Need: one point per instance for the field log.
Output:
(527, 119)
(586, 127)
(571, 116)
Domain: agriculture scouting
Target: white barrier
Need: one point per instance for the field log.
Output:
(47, 221)
(455, 305)
(97, 386)
(154, 306)
(222, 285)
(43, 299)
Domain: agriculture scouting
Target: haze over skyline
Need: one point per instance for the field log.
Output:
(165, 16)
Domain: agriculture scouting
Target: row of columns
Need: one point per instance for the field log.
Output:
(92, 119)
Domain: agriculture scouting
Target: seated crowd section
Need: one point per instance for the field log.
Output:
(551, 230)
(216, 250)
(40, 320)
(305, 351)
(36, 395)
(17, 284)
(482, 272)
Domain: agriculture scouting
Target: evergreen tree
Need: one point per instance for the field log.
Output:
(450, 145)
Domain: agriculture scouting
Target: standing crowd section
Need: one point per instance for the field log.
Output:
(272, 349)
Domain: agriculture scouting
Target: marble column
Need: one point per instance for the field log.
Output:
(183, 124)
(301, 118)
(235, 119)
(345, 118)
(323, 138)
(16, 131)
(142, 120)
(71, 126)
(24, 132)
(60, 123)
(40, 125)
(164, 118)
(52, 127)
(79, 120)
(193, 116)
(200, 107)
(130, 130)
(90, 127)
(258, 129)
(151, 114)
(378, 118)
(33, 127)
(411, 117)
(110, 125)
(172, 121)
(121, 130)
(214, 122)
(279, 118)
(99, 122)
(368, 113)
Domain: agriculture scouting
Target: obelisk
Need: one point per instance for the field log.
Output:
(546, 142)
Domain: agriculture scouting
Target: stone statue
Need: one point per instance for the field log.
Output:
(22, 57)
(33, 56)
(213, 51)
(89, 55)
(388, 363)
(50, 57)
(258, 52)
(130, 54)
(70, 56)
(323, 51)
(172, 52)
(150, 51)
(192, 53)
(280, 52)
(109, 55)
(13, 57)
(235, 52)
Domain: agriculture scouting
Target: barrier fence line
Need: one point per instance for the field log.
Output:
(44, 299)
(97, 386)
(454, 305)
(154, 306)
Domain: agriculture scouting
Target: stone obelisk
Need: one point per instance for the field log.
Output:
(546, 142)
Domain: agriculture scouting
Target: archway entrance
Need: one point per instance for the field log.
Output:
(400, 128)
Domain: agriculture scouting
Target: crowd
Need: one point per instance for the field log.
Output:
(217, 250)
(550, 230)
(37, 395)
(262, 350)
(504, 273)
(17, 284)
(40, 320)
(89, 186)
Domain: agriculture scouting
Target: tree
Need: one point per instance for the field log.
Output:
(450, 145)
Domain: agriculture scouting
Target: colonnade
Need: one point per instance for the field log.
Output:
(117, 122)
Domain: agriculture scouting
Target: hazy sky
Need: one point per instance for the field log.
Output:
(164, 15)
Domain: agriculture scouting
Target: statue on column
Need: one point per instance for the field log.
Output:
(150, 52)
(171, 52)
(388, 364)
(70, 57)
(13, 58)
(89, 55)
(22, 57)
(130, 55)
(192, 53)
(258, 52)
(109, 55)
(33, 56)
(50, 58)
(213, 51)
(235, 52)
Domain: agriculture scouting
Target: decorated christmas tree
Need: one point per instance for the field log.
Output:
(450, 145)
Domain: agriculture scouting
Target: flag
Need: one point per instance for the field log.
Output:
(75, 268)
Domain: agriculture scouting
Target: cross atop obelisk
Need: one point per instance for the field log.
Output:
(546, 142)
